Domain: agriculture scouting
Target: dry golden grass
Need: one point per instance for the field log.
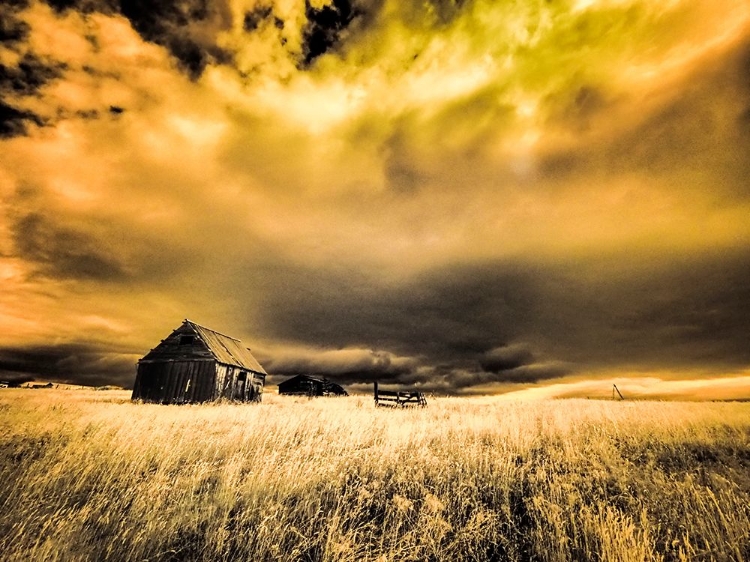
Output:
(88, 475)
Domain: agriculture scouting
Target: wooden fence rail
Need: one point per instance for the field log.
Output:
(399, 398)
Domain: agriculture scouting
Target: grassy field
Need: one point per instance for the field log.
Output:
(87, 475)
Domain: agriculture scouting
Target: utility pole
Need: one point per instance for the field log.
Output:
(615, 389)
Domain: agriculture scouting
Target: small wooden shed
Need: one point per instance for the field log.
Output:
(304, 385)
(197, 364)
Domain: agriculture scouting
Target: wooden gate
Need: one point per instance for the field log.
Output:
(401, 398)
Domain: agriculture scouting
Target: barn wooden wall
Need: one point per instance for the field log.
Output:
(229, 386)
(175, 381)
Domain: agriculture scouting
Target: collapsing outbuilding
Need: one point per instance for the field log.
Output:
(196, 364)
(304, 385)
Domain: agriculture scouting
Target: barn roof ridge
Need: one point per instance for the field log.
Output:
(306, 376)
(211, 330)
(226, 349)
(314, 376)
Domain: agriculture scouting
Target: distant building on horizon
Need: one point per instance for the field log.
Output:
(305, 385)
(197, 364)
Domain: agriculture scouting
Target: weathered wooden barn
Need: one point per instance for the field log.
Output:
(196, 364)
(304, 385)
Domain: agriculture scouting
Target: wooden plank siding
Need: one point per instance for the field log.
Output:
(167, 381)
(172, 375)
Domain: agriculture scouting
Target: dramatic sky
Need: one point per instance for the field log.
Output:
(544, 196)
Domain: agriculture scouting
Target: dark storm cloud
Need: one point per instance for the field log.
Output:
(506, 358)
(451, 311)
(28, 76)
(255, 17)
(69, 363)
(84, 6)
(21, 81)
(449, 325)
(523, 374)
(324, 28)
(14, 121)
(62, 252)
(685, 311)
(693, 312)
(186, 28)
(12, 28)
(517, 322)
(346, 366)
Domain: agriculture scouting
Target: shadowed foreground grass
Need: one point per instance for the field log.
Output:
(88, 475)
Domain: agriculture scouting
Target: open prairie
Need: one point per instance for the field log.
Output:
(89, 475)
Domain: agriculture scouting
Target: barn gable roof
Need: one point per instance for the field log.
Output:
(296, 378)
(226, 349)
